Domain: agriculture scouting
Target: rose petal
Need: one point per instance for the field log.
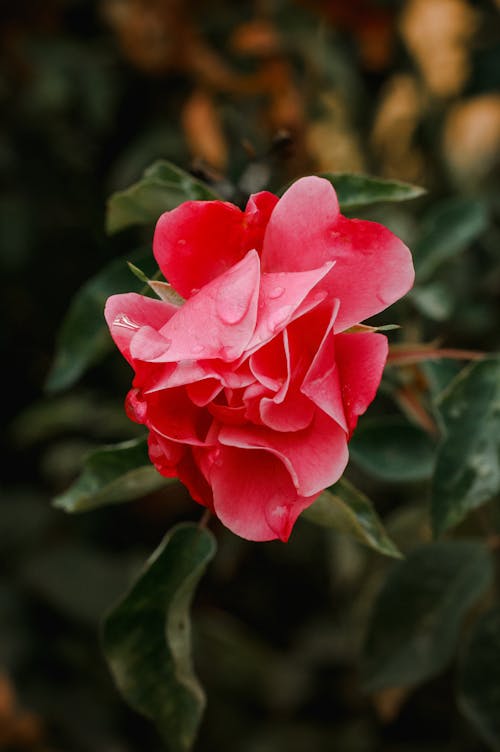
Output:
(190, 474)
(254, 495)
(287, 410)
(373, 267)
(315, 457)
(217, 322)
(165, 454)
(293, 414)
(322, 380)
(172, 415)
(126, 313)
(360, 361)
(281, 298)
(270, 364)
(199, 240)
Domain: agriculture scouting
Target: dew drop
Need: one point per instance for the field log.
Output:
(197, 349)
(231, 310)
(126, 323)
(278, 318)
(228, 353)
(276, 292)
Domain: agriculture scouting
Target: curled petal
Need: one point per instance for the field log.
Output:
(373, 267)
(165, 454)
(360, 359)
(199, 240)
(283, 297)
(322, 380)
(315, 457)
(171, 414)
(254, 495)
(127, 313)
(217, 322)
(196, 242)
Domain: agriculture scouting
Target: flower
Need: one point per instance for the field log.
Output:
(252, 387)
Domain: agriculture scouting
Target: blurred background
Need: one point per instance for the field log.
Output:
(246, 96)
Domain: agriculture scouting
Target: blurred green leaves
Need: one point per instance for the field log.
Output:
(83, 337)
(146, 637)
(467, 470)
(162, 187)
(417, 616)
(356, 191)
(447, 230)
(393, 450)
(479, 680)
(346, 509)
(112, 475)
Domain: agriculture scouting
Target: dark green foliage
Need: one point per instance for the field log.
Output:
(467, 470)
(417, 616)
(146, 637)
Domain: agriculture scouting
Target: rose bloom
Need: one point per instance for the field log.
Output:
(252, 387)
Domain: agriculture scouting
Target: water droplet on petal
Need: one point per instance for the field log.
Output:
(231, 310)
(197, 349)
(278, 318)
(124, 321)
(276, 292)
(228, 353)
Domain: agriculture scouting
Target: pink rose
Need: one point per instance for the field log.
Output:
(251, 389)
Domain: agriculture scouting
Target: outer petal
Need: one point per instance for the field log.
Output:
(171, 414)
(216, 323)
(373, 267)
(125, 314)
(254, 495)
(199, 240)
(165, 454)
(360, 361)
(315, 457)
(282, 298)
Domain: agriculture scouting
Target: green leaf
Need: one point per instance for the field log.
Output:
(355, 191)
(435, 300)
(112, 475)
(146, 637)
(479, 681)
(346, 509)
(447, 231)
(467, 472)
(439, 374)
(417, 616)
(162, 187)
(84, 337)
(393, 450)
